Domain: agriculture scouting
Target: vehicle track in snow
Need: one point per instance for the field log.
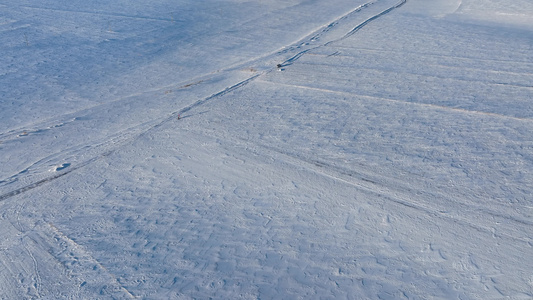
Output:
(309, 46)
(109, 145)
(389, 189)
(316, 35)
(358, 27)
(69, 119)
(263, 63)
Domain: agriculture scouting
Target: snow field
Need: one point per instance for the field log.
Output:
(391, 163)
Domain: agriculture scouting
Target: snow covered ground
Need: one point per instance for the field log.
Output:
(156, 151)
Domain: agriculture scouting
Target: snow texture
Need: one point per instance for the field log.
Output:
(302, 149)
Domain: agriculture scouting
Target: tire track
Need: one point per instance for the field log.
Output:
(65, 119)
(127, 140)
(69, 117)
(306, 41)
(48, 179)
(295, 57)
(358, 27)
(380, 186)
(124, 140)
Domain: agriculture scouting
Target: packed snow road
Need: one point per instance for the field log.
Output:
(158, 151)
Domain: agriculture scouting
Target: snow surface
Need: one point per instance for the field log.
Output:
(156, 151)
